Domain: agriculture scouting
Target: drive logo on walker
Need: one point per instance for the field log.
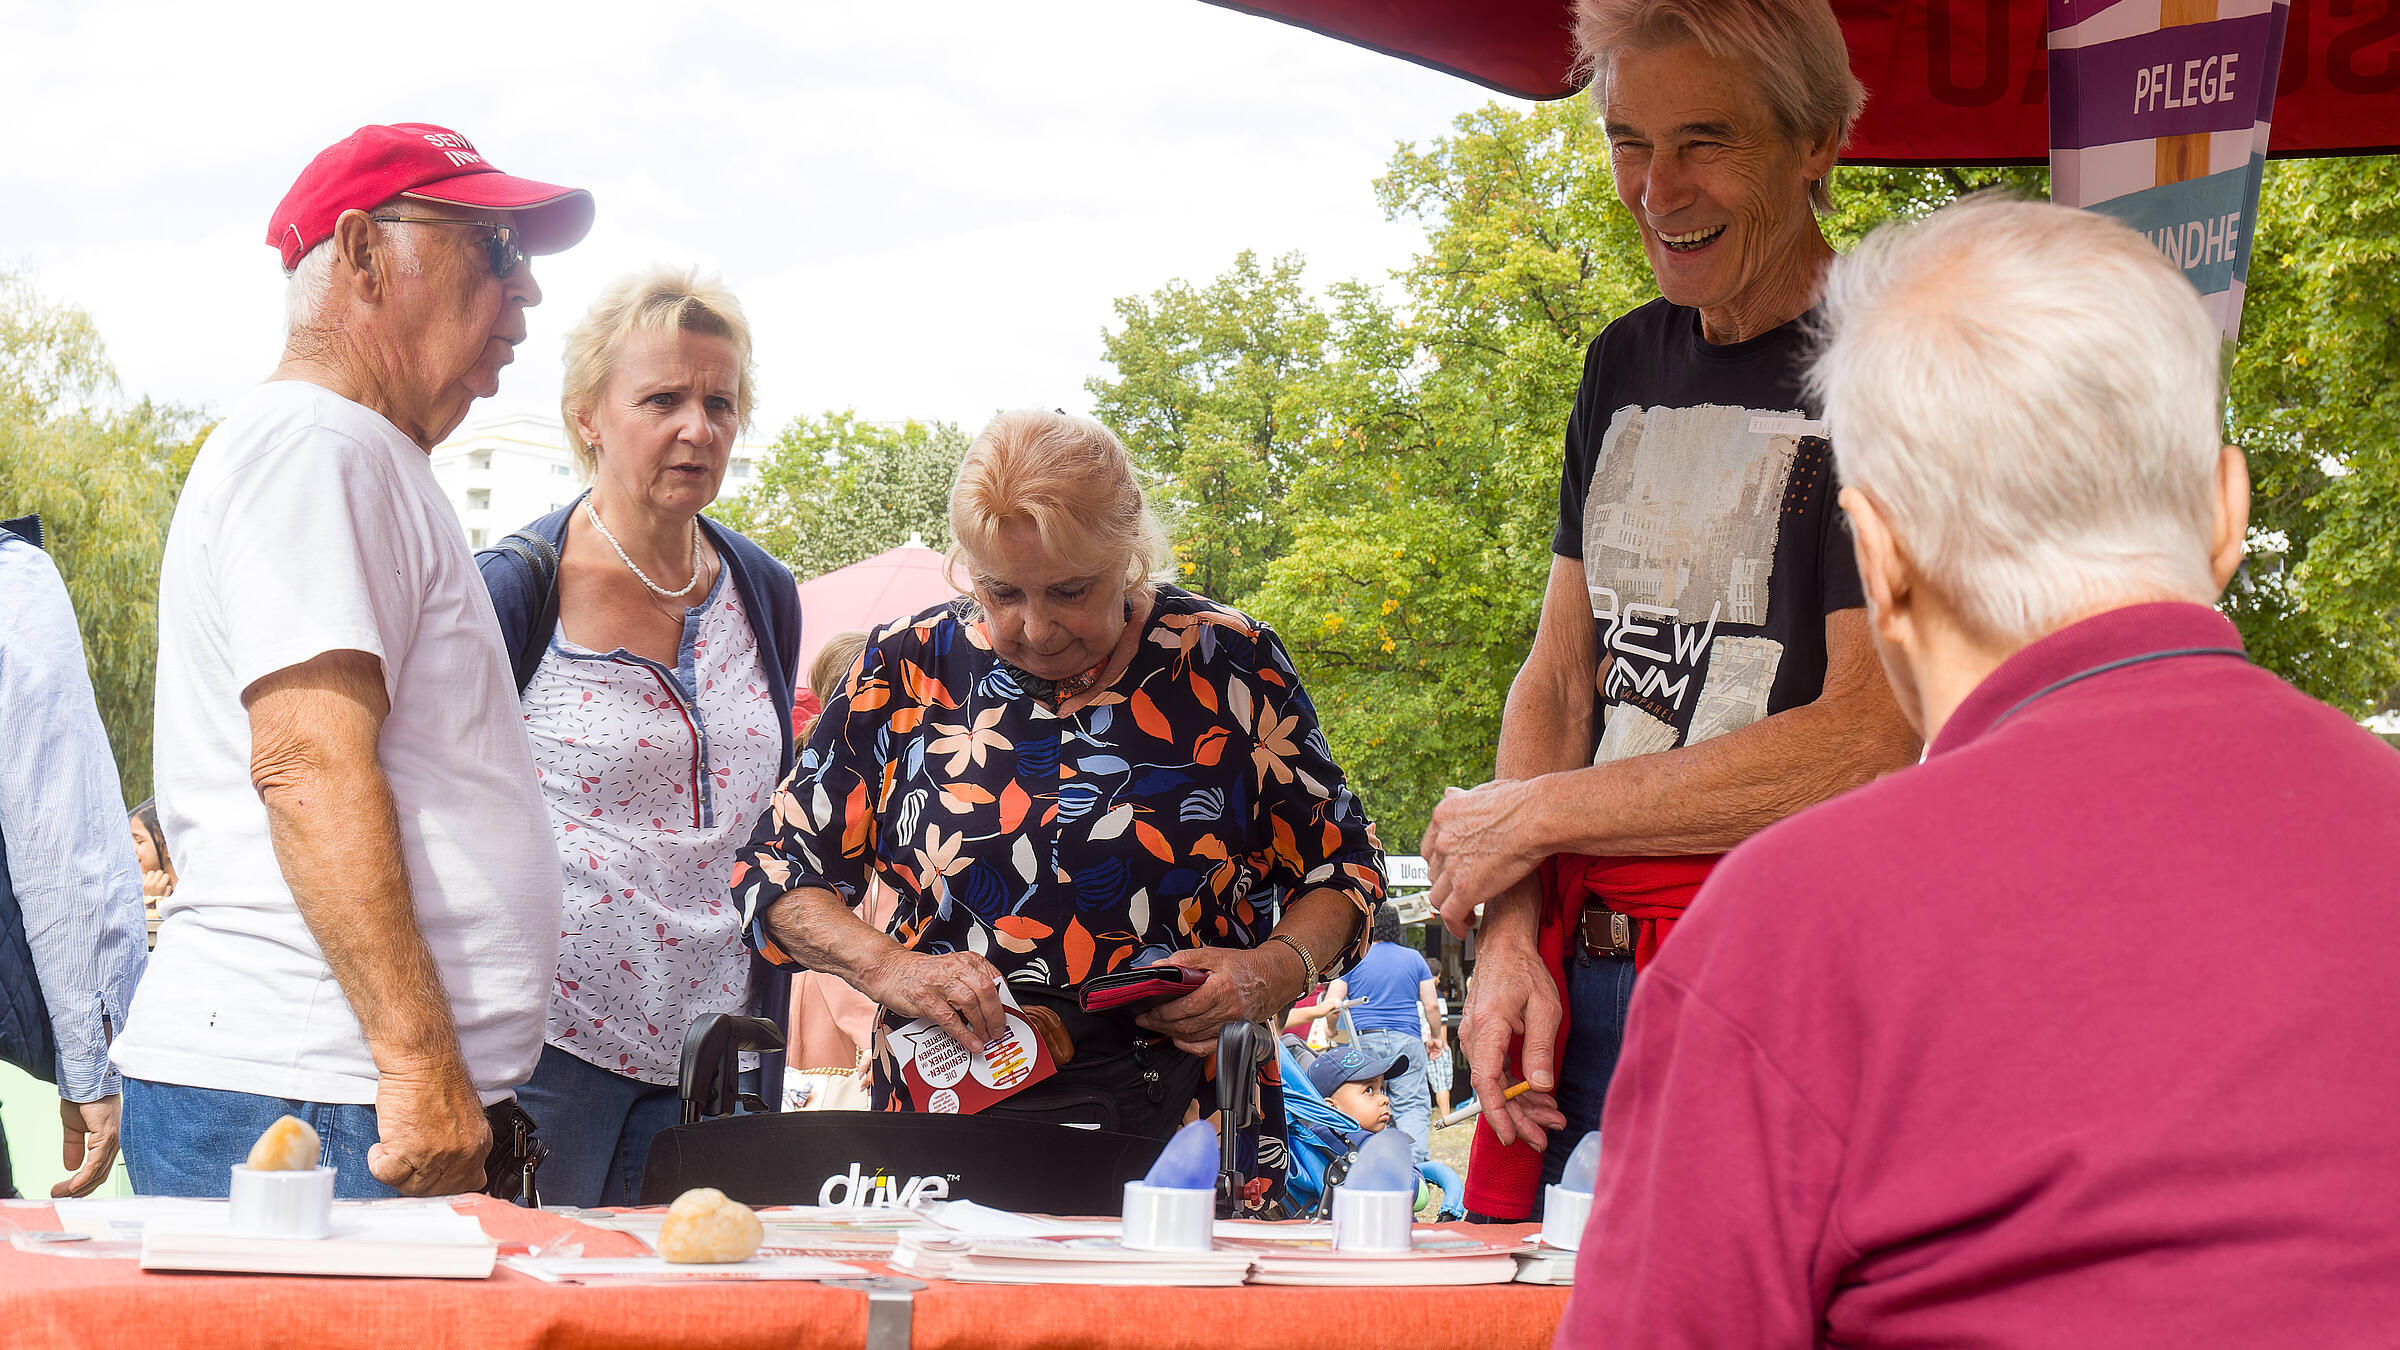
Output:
(945, 1078)
(857, 1189)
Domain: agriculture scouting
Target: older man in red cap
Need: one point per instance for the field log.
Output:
(363, 936)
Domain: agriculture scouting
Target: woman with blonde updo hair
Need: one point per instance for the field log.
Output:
(655, 654)
(1070, 771)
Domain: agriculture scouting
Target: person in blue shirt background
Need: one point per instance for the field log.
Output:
(71, 933)
(1395, 1016)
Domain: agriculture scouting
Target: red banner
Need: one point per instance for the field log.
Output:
(1949, 81)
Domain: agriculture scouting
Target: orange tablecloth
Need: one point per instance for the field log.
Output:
(84, 1304)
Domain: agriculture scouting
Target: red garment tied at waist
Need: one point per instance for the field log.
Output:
(1504, 1180)
(1653, 892)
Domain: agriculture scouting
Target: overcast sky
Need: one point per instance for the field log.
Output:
(927, 207)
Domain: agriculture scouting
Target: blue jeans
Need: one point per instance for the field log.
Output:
(1598, 991)
(185, 1141)
(1412, 1105)
(597, 1126)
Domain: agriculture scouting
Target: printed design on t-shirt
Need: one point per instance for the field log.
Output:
(1680, 527)
(1631, 732)
(1740, 672)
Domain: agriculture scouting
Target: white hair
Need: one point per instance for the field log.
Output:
(306, 286)
(1792, 51)
(2032, 396)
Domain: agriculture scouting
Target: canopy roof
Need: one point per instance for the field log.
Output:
(1985, 103)
(865, 595)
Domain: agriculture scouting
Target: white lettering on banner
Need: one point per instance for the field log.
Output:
(882, 1191)
(1786, 426)
(2197, 82)
(2199, 243)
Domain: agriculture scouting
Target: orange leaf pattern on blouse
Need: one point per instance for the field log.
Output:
(1145, 822)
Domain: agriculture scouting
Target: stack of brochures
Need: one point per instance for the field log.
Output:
(1545, 1264)
(1032, 1260)
(1436, 1257)
(404, 1239)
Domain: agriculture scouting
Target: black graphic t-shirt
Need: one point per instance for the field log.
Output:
(1699, 495)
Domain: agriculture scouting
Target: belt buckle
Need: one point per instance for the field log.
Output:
(1620, 932)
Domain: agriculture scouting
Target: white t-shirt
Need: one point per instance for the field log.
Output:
(309, 524)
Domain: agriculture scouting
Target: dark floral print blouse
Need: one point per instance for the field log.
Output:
(1165, 814)
(1155, 818)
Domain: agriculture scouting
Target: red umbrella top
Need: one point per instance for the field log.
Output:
(1949, 81)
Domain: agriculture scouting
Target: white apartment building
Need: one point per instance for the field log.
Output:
(508, 470)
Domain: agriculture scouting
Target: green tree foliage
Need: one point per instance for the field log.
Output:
(1379, 480)
(2316, 407)
(838, 490)
(104, 481)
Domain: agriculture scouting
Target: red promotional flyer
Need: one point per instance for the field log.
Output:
(943, 1076)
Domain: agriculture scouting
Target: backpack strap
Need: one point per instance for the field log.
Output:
(539, 557)
(27, 528)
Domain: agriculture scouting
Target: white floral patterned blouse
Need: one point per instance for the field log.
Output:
(653, 778)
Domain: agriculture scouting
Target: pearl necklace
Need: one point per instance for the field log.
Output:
(638, 573)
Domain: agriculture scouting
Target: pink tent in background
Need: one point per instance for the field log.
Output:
(831, 1022)
(891, 585)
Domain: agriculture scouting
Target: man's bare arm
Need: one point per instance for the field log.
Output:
(1701, 798)
(1706, 798)
(313, 738)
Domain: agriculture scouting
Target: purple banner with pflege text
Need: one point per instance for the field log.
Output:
(2169, 82)
(2161, 118)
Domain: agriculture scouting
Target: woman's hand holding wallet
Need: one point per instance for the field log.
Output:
(1243, 986)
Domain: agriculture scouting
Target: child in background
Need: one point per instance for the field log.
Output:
(1351, 1081)
(150, 847)
(828, 670)
(831, 1024)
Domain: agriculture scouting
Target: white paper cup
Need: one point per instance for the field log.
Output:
(1161, 1219)
(1371, 1221)
(1563, 1216)
(282, 1204)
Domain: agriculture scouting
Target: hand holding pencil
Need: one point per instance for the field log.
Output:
(1475, 1108)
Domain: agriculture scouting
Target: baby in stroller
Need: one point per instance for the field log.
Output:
(1333, 1103)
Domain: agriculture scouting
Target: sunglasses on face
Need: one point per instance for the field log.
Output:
(499, 247)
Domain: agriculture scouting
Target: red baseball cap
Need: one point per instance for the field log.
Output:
(372, 165)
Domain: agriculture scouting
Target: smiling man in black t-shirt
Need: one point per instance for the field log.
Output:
(1703, 667)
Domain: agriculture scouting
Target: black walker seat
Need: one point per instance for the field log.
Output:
(867, 1157)
(899, 1157)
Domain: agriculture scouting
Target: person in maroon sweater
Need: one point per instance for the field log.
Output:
(2086, 1030)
